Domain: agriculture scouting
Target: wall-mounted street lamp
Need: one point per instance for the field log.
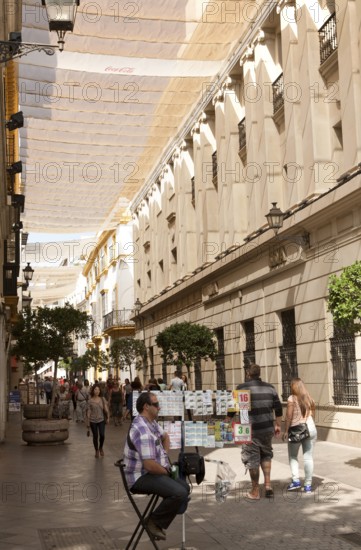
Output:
(275, 218)
(28, 276)
(61, 16)
(26, 301)
(137, 307)
(140, 318)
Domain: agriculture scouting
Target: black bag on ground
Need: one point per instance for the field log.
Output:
(191, 464)
(298, 433)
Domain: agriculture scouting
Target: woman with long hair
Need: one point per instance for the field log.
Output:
(97, 417)
(136, 386)
(300, 410)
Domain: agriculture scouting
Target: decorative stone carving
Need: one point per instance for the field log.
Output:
(196, 129)
(210, 290)
(277, 256)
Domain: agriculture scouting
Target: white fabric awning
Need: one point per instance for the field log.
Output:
(99, 115)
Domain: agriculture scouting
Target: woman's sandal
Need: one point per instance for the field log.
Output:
(252, 497)
(269, 493)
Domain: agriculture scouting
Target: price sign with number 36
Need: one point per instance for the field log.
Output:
(242, 433)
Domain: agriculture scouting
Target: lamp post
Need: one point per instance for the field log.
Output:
(26, 301)
(275, 218)
(137, 308)
(61, 16)
(28, 274)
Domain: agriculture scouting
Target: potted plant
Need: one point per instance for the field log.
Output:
(31, 349)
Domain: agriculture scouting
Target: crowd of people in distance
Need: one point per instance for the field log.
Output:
(104, 402)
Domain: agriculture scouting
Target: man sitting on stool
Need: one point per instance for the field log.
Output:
(147, 467)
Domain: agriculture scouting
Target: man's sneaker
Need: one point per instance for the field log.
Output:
(294, 485)
(307, 489)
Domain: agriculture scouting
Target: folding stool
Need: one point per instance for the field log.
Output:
(142, 525)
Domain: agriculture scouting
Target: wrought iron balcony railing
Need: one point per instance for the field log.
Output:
(242, 133)
(328, 38)
(118, 318)
(278, 96)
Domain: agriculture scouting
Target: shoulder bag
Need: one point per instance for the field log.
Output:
(191, 464)
(298, 433)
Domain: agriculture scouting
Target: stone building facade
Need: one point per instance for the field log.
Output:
(109, 297)
(11, 205)
(281, 126)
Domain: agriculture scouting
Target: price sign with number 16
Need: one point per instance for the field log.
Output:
(244, 399)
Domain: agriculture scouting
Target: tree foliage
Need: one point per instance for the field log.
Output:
(95, 358)
(344, 300)
(124, 352)
(31, 345)
(47, 334)
(184, 343)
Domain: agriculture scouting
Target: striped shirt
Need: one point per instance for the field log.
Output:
(264, 400)
(147, 439)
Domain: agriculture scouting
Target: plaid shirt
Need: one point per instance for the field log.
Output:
(147, 439)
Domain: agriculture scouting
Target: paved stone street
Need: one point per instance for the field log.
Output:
(61, 497)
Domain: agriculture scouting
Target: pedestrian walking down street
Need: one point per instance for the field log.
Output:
(265, 417)
(176, 384)
(300, 410)
(97, 417)
(127, 388)
(48, 388)
(116, 404)
(81, 398)
(137, 386)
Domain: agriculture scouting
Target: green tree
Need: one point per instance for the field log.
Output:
(62, 325)
(54, 331)
(124, 352)
(344, 300)
(31, 345)
(185, 343)
(97, 359)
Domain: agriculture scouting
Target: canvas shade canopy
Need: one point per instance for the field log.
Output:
(99, 115)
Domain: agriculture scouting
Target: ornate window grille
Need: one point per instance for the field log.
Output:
(249, 354)
(198, 375)
(164, 372)
(288, 352)
(343, 358)
(220, 360)
(10, 158)
(242, 133)
(278, 96)
(328, 38)
(215, 169)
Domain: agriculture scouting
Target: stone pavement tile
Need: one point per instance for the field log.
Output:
(65, 486)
